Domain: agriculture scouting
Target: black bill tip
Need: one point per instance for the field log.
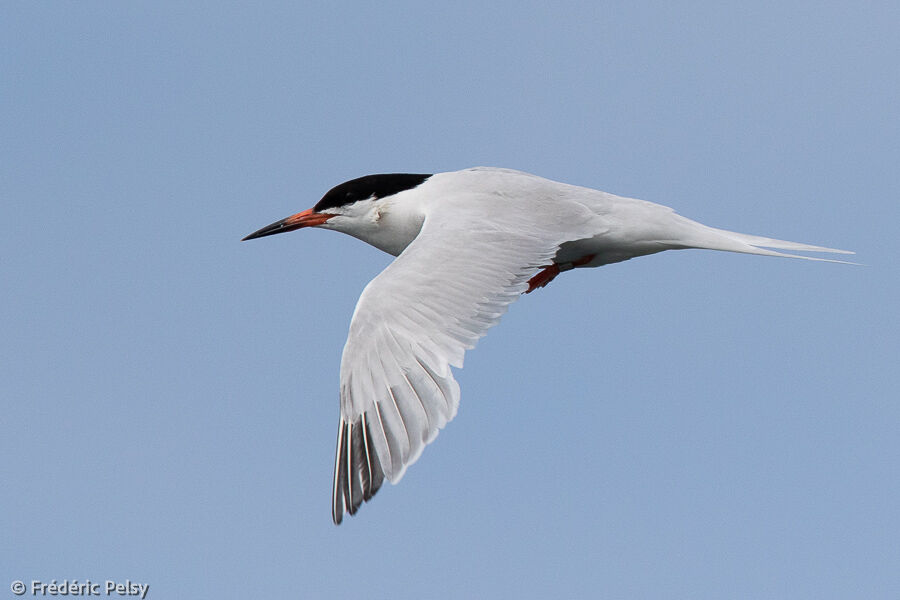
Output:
(279, 227)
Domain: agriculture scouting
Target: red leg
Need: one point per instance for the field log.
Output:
(548, 274)
(543, 278)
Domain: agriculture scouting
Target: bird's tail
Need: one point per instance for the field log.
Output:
(711, 238)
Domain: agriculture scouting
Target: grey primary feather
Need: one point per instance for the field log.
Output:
(358, 474)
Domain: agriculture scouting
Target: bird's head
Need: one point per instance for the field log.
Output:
(357, 208)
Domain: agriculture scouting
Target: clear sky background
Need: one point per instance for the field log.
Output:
(686, 425)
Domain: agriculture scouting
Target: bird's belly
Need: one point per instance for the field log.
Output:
(601, 250)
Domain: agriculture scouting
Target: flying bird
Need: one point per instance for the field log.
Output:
(468, 243)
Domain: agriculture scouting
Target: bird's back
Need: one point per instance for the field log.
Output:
(589, 222)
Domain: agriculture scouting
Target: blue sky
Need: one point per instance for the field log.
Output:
(687, 425)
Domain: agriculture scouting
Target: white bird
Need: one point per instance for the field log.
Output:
(468, 243)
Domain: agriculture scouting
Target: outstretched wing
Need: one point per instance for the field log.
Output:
(412, 323)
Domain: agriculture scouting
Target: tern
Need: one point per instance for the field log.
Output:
(467, 244)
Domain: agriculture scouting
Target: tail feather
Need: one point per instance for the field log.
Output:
(711, 238)
(755, 240)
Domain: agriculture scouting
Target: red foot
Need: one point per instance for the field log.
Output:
(548, 274)
(543, 278)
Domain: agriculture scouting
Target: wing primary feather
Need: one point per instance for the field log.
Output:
(409, 442)
(429, 419)
(376, 474)
(394, 454)
(367, 466)
(352, 488)
(359, 476)
(337, 496)
(434, 378)
(357, 471)
(345, 455)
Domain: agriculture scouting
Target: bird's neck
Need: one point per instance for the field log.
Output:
(390, 226)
